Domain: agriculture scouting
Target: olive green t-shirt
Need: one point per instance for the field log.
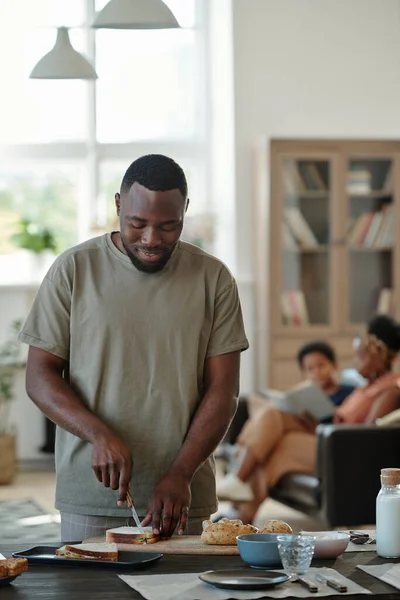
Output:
(136, 344)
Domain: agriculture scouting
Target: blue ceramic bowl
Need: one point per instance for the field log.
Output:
(260, 550)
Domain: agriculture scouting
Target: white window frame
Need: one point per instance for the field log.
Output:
(90, 153)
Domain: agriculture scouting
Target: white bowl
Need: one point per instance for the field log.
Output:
(329, 544)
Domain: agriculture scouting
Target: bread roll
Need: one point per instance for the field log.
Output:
(224, 532)
(276, 526)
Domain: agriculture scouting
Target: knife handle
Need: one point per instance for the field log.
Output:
(307, 583)
(339, 587)
(129, 500)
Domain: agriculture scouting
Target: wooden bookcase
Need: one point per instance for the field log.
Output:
(327, 247)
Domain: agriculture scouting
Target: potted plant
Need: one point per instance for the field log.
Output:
(9, 363)
(38, 243)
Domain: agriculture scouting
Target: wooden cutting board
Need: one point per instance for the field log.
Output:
(182, 544)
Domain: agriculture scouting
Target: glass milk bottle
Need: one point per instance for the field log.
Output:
(388, 514)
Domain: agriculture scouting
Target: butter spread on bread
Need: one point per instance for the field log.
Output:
(224, 532)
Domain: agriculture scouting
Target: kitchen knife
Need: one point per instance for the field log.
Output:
(333, 583)
(129, 502)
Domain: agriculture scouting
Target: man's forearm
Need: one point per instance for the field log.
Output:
(208, 428)
(54, 397)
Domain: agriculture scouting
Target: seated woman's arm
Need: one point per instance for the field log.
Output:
(385, 403)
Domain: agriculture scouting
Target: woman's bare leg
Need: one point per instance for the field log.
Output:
(247, 510)
(247, 463)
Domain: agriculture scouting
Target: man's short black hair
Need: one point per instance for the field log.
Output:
(321, 347)
(386, 329)
(155, 172)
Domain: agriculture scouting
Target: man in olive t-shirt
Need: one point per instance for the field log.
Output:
(135, 341)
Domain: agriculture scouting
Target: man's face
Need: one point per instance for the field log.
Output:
(318, 369)
(151, 224)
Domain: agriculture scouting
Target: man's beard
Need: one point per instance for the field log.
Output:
(151, 267)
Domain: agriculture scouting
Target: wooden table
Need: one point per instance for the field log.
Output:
(80, 583)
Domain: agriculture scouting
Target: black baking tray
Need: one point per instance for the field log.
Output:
(46, 555)
(6, 580)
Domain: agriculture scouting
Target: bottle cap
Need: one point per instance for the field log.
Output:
(390, 476)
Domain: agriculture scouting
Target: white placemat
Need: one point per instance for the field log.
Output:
(388, 572)
(188, 586)
(363, 547)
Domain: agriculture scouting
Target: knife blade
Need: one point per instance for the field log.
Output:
(129, 502)
(333, 583)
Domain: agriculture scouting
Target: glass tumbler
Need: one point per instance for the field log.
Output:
(296, 552)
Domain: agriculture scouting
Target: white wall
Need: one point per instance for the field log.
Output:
(25, 417)
(308, 68)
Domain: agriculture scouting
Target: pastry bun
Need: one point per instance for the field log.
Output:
(276, 526)
(224, 532)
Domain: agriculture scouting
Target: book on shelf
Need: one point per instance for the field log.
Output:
(299, 227)
(358, 182)
(292, 182)
(311, 176)
(289, 241)
(385, 299)
(373, 229)
(294, 308)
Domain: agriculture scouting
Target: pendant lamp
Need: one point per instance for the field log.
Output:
(63, 61)
(135, 14)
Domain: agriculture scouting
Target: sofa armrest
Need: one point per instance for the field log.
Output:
(349, 460)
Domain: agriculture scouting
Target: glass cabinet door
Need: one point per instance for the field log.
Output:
(305, 297)
(370, 237)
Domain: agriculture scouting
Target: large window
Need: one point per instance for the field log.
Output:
(64, 145)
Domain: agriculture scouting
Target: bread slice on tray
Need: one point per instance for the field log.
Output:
(131, 535)
(89, 551)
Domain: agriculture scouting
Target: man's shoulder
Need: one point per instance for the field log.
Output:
(82, 250)
(199, 257)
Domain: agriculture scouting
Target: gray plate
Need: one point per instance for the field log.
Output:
(243, 579)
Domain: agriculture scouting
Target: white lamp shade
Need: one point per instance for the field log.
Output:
(63, 62)
(135, 14)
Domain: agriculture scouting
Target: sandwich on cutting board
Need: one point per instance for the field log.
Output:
(131, 535)
(106, 552)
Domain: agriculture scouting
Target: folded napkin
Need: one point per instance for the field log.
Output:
(188, 586)
(388, 572)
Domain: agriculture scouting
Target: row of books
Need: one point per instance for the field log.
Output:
(294, 308)
(304, 176)
(359, 182)
(373, 229)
